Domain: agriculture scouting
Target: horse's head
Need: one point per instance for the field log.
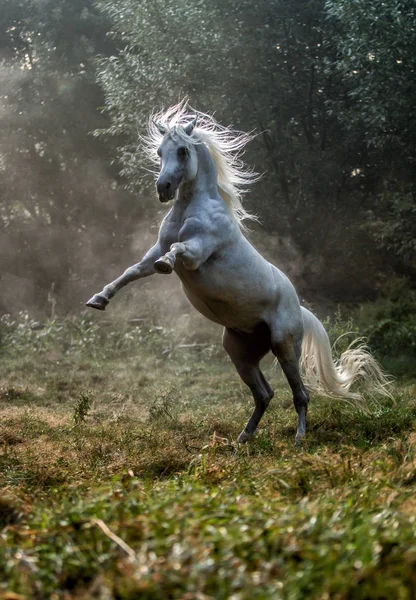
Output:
(178, 160)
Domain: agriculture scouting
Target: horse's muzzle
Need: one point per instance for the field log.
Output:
(166, 191)
(165, 198)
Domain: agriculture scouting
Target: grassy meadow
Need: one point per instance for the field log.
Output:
(120, 476)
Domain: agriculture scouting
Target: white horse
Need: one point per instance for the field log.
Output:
(225, 278)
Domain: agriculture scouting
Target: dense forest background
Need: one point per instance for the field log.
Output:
(329, 86)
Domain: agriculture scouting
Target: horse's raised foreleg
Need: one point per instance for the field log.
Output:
(142, 269)
(194, 247)
(165, 264)
(287, 352)
(190, 253)
(246, 351)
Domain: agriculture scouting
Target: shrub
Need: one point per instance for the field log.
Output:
(390, 326)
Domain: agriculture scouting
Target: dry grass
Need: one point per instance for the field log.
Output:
(121, 478)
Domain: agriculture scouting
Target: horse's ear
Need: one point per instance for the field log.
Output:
(190, 127)
(162, 128)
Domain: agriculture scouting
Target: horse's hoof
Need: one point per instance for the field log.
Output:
(99, 302)
(244, 437)
(299, 439)
(164, 265)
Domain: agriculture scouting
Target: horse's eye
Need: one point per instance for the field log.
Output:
(159, 152)
(182, 152)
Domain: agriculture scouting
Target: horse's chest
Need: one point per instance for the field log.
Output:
(168, 236)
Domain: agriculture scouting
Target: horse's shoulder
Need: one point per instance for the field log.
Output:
(217, 219)
(196, 222)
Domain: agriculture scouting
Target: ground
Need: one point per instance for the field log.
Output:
(121, 478)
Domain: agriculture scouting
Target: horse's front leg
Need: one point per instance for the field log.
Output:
(144, 268)
(166, 264)
(191, 254)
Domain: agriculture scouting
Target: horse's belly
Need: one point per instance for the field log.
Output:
(239, 311)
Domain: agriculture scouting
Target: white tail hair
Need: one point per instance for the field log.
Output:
(335, 378)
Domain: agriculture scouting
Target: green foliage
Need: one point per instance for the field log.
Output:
(377, 60)
(390, 325)
(335, 131)
(387, 326)
(394, 226)
(275, 81)
(45, 35)
(219, 540)
(82, 407)
(341, 331)
(290, 75)
(55, 178)
(76, 336)
(328, 86)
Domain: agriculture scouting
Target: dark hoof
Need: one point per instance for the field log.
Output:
(164, 266)
(99, 302)
(244, 437)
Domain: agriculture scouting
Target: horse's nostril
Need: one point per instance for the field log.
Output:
(164, 186)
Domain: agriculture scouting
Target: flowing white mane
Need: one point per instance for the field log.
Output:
(225, 145)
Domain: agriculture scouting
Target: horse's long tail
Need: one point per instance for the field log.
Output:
(335, 378)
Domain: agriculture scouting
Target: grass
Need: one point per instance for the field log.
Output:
(120, 476)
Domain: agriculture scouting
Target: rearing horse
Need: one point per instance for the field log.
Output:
(225, 278)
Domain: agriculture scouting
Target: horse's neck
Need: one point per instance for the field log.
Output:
(204, 182)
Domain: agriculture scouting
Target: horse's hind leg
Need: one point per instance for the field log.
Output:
(287, 351)
(246, 351)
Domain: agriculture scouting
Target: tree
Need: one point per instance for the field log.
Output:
(376, 63)
(376, 60)
(55, 180)
(263, 66)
